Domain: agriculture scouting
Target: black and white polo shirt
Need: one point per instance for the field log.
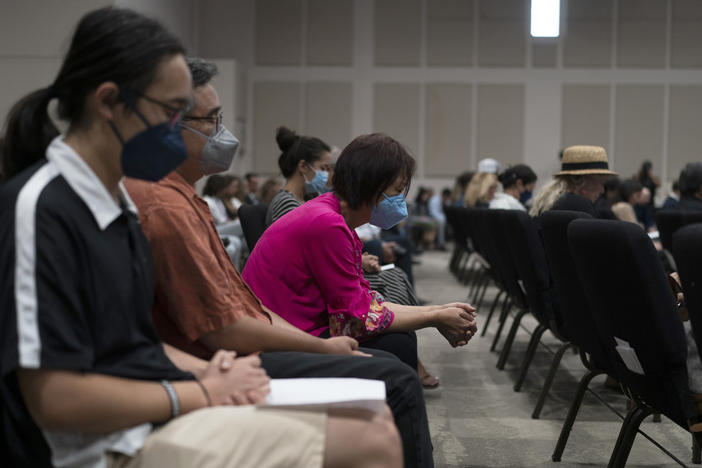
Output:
(76, 293)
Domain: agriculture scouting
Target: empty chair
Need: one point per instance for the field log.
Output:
(460, 245)
(496, 242)
(472, 220)
(253, 222)
(578, 323)
(635, 315)
(530, 262)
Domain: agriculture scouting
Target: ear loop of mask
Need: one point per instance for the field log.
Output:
(130, 105)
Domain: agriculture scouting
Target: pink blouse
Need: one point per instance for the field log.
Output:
(307, 268)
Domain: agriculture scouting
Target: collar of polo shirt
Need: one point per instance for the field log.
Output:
(86, 183)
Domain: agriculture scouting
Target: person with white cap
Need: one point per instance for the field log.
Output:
(489, 165)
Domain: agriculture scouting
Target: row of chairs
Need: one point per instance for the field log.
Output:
(589, 282)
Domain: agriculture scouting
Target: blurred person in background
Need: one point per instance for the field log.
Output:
(648, 180)
(673, 198)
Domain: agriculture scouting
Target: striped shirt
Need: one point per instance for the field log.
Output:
(281, 204)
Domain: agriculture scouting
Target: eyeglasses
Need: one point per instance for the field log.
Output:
(175, 114)
(215, 120)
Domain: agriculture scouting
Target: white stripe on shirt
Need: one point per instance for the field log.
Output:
(29, 342)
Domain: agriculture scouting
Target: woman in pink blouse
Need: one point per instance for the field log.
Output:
(307, 265)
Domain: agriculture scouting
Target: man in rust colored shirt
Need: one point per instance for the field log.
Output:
(202, 304)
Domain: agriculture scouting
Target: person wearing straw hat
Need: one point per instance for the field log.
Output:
(584, 170)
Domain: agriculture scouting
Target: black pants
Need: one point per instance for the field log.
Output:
(403, 345)
(404, 392)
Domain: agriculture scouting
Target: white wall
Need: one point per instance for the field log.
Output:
(34, 35)
(455, 80)
(624, 74)
(178, 15)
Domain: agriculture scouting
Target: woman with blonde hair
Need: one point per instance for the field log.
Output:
(584, 170)
(481, 190)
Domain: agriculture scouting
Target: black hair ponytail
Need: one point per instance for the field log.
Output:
(109, 44)
(28, 132)
(512, 174)
(295, 148)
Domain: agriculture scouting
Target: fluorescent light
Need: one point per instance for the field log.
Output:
(545, 18)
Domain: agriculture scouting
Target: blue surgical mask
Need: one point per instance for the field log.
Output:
(153, 153)
(525, 196)
(318, 184)
(219, 150)
(389, 212)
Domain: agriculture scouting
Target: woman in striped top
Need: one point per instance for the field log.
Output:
(304, 162)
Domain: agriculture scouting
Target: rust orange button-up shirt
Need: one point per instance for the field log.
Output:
(197, 288)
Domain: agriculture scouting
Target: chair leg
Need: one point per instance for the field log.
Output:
(475, 288)
(627, 434)
(572, 414)
(506, 307)
(510, 338)
(549, 379)
(465, 273)
(467, 276)
(696, 452)
(529, 355)
(479, 303)
(492, 310)
(479, 287)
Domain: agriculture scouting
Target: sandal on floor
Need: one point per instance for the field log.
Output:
(430, 382)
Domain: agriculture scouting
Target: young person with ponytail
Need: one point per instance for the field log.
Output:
(516, 181)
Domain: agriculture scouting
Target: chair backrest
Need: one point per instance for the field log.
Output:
(578, 322)
(473, 223)
(452, 217)
(627, 289)
(253, 222)
(496, 241)
(687, 250)
(670, 220)
(532, 269)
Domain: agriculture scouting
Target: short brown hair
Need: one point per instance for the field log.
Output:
(368, 166)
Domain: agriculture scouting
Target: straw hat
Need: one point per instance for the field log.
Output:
(581, 160)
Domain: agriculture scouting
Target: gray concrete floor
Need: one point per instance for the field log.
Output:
(477, 419)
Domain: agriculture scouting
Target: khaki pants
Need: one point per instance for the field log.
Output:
(233, 436)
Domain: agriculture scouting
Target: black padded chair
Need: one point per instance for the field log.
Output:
(459, 253)
(532, 269)
(253, 222)
(670, 220)
(687, 250)
(473, 223)
(462, 263)
(496, 242)
(479, 260)
(578, 323)
(628, 292)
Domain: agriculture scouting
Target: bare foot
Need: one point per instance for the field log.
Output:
(428, 381)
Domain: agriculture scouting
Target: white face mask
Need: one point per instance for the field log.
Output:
(219, 150)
